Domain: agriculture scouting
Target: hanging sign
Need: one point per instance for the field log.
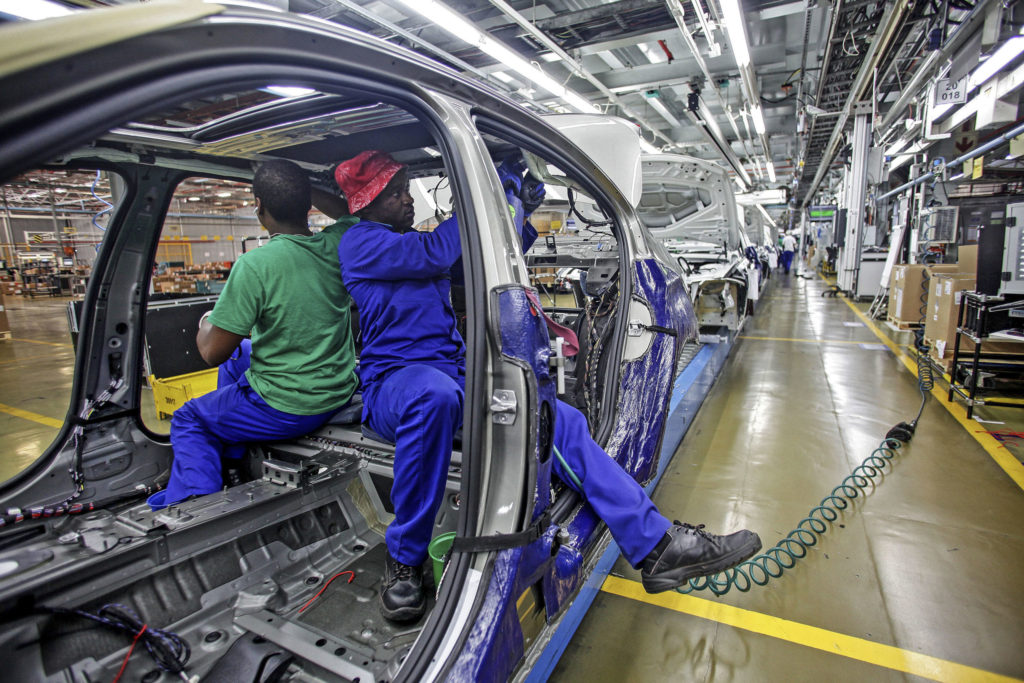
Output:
(948, 91)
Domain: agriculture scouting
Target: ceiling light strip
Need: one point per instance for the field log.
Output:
(576, 68)
(447, 19)
(411, 37)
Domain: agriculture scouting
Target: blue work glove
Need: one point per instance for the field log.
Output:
(510, 173)
(531, 194)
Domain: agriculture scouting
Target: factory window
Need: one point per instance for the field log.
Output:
(53, 220)
(208, 224)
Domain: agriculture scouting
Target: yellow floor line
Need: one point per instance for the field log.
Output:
(26, 358)
(808, 341)
(28, 415)
(1006, 460)
(36, 341)
(860, 649)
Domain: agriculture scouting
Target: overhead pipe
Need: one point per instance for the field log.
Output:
(414, 39)
(678, 14)
(879, 44)
(886, 29)
(575, 67)
(976, 152)
(934, 60)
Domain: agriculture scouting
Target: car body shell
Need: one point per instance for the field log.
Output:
(97, 80)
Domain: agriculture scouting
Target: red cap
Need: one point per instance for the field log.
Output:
(364, 176)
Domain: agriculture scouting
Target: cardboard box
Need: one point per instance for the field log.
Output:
(967, 259)
(5, 325)
(944, 296)
(905, 290)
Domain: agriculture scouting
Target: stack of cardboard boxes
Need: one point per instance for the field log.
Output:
(545, 222)
(178, 280)
(945, 286)
(945, 290)
(5, 325)
(908, 293)
(11, 288)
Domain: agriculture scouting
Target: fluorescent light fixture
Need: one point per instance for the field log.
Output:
(1006, 53)
(223, 194)
(449, 20)
(648, 147)
(739, 183)
(502, 76)
(33, 9)
(194, 199)
(736, 29)
(771, 170)
(550, 57)
(431, 151)
(655, 56)
(288, 90)
(758, 116)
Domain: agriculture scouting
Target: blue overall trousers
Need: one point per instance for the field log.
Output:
(220, 423)
(419, 408)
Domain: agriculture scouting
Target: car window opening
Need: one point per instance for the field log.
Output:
(212, 146)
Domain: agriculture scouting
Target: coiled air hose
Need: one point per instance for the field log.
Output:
(772, 563)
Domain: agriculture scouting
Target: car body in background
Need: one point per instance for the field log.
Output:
(688, 204)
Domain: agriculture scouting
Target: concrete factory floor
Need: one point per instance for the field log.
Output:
(918, 580)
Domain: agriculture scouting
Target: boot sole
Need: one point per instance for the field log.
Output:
(674, 578)
(404, 614)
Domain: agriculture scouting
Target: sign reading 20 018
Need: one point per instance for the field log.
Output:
(948, 91)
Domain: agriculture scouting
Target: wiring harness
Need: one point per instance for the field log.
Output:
(169, 650)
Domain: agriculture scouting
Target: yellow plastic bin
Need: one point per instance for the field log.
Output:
(438, 550)
(170, 393)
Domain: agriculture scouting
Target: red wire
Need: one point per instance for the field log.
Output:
(130, 650)
(310, 601)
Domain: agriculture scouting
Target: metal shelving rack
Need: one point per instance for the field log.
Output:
(979, 317)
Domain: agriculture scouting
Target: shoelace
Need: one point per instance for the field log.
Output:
(401, 572)
(699, 529)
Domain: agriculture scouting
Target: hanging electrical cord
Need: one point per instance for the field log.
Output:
(67, 506)
(169, 650)
(591, 225)
(772, 563)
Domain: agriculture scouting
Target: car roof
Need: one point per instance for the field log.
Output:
(315, 130)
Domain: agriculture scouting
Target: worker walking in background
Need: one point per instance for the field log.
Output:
(287, 294)
(413, 373)
(788, 249)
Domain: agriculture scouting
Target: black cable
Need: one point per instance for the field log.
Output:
(591, 225)
(169, 650)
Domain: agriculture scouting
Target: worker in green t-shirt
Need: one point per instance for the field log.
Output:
(288, 295)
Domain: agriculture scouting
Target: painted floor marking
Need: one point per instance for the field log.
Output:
(27, 358)
(804, 341)
(840, 644)
(29, 415)
(1006, 460)
(36, 341)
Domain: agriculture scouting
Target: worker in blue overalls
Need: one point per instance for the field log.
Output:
(412, 368)
(300, 366)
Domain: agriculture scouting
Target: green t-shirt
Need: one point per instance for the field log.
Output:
(289, 295)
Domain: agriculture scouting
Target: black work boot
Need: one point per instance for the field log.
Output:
(688, 552)
(401, 596)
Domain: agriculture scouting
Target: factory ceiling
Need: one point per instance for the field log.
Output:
(773, 106)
